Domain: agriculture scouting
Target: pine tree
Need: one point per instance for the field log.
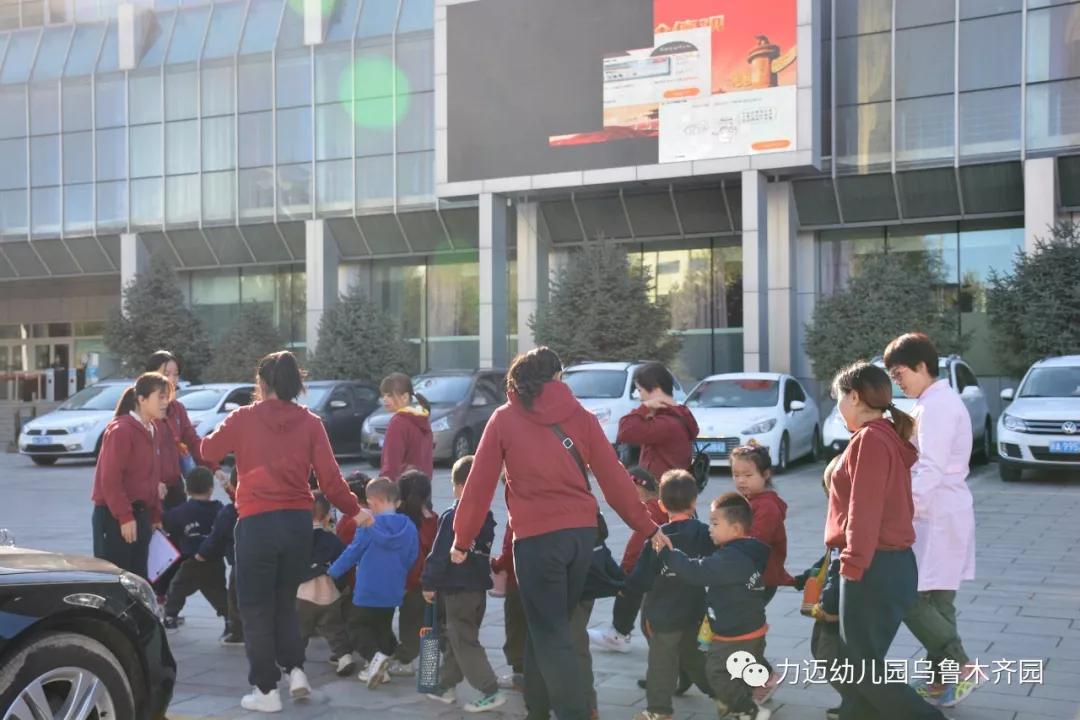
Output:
(359, 340)
(603, 309)
(236, 356)
(154, 316)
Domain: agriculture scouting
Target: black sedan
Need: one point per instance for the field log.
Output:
(343, 405)
(79, 638)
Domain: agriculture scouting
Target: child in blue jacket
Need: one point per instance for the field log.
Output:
(382, 555)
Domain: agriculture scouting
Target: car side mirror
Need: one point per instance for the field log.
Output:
(338, 404)
(479, 401)
(797, 406)
(230, 406)
(970, 391)
(1007, 394)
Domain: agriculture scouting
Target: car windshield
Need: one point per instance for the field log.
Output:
(596, 384)
(95, 397)
(442, 389)
(1052, 382)
(735, 393)
(197, 399)
(313, 396)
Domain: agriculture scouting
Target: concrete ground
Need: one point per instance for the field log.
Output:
(1025, 605)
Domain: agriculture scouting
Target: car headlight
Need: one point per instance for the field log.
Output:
(441, 425)
(1011, 422)
(139, 589)
(761, 427)
(80, 428)
(366, 427)
(602, 414)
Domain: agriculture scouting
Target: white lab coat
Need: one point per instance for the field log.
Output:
(944, 510)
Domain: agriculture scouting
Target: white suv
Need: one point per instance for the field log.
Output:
(1041, 426)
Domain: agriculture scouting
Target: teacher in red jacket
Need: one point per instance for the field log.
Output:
(276, 443)
(554, 515)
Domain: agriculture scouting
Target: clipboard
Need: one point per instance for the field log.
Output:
(161, 555)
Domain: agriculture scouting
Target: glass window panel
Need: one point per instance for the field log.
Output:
(375, 181)
(1053, 43)
(990, 122)
(111, 160)
(45, 206)
(867, 198)
(863, 136)
(45, 160)
(375, 73)
(53, 52)
(219, 143)
(109, 58)
(924, 61)
(863, 69)
(218, 89)
(223, 38)
(256, 84)
(20, 56)
(256, 140)
(33, 14)
(109, 105)
(187, 39)
(260, 32)
(453, 299)
(294, 190)
(841, 254)
(399, 290)
(294, 135)
(144, 97)
(78, 157)
(146, 201)
(333, 132)
(293, 79)
(84, 49)
(376, 19)
(161, 26)
(13, 211)
(181, 93)
(334, 183)
(416, 176)
(9, 20)
(910, 13)
(218, 196)
(1053, 115)
(907, 243)
(374, 126)
(181, 143)
(417, 129)
(182, 199)
(859, 17)
(416, 15)
(983, 250)
(416, 58)
(291, 31)
(112, 202)
(332, 70)
(256, 193)
(342, 20)
(924, 128)
(990, 52)
(44, 108)
(13, 167)
(145, 150)
(13, 119)
(77, 104)
(78, 207)
(977, 8)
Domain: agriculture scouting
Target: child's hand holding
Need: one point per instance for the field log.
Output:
(429, 596)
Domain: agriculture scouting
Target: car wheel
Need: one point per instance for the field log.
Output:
(1009, 472)
(783, 454)
(43, 460)
(817, 451)
(986, 449)
(61, 674)
(462, 446)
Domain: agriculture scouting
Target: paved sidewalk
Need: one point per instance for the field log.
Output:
(1025, 605)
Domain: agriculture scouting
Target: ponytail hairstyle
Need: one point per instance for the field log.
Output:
(415, 489)
(281, 373)
(530, 371)
(160, 359)
(401, 384)
(147, 384)
(875, 390)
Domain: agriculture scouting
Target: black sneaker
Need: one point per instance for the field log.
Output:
(832, 713)
(171, 623)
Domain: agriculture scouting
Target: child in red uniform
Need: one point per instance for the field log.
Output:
(415, 488)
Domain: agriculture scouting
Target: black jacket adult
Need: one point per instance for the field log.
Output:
(189, 523)
(325, 549)
(674, 604)
(732, 574)
(222, 539)
(441, 575)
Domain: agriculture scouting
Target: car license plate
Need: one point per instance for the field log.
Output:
(712, 447)
(1065, 447)
(42, 440)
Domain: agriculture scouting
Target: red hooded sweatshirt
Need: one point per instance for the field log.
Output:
(128, 470)
(177, 428)
(545, 490)
(666, 437)
(870, 505)
(408, 444)
(277, 443)
(768, 527)
(427, 531)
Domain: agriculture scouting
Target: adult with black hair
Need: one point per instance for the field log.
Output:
(545, 440)
(276, 443)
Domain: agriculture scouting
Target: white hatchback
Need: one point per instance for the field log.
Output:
(770, 409)
(208, 405)
(1040, 429)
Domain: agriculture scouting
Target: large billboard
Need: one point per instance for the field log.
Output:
(562, 85)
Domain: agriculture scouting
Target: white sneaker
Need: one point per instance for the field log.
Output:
(487, 704)
(447, 697)
(376, 669)
(259, 701)
(398, 669)
(299, 687)
(345, 665)
(609, 639)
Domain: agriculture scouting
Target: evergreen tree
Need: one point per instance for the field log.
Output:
(601, 308)
(359, 340)
(236, 355)
(154, 316)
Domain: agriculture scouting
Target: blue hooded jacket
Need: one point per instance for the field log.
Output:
(382, 555)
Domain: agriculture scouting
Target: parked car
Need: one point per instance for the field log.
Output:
(74, 429)
(1040, 428)
(208, 405)
(343, 405)
(770, 409)
(462, 401)
(963, 380)
(80, 638)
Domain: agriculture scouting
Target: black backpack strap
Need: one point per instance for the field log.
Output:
(568, 443)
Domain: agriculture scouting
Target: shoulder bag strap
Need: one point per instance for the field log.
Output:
(568, 443)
